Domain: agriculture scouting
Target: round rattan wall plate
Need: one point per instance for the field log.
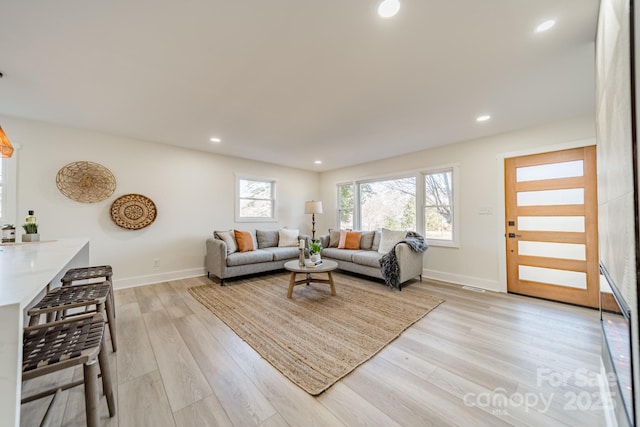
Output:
(86, 182)
(133, 211)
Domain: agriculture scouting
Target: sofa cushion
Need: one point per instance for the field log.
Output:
(288, 238)
(229, 238)
(267, 238)
(280, 254)
(339, 254)
(375, 245)
(368, 258)
(252, 257)
(389, 239)
(366, 240)
(244, 240)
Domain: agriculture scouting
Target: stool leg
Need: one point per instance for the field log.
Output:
(112, 323)
(107, 387)
(91, 394)
(113, 299)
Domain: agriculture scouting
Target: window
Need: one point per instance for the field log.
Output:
(346, 201)
(388, 204)
(438, 205)
(424, 201)
(256, 200)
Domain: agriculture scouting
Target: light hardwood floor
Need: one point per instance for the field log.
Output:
(479, 359)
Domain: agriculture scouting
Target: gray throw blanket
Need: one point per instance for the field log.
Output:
(389, 262)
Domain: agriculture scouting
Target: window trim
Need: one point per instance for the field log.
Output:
(419, 175)
(455, 205)
(274, 199)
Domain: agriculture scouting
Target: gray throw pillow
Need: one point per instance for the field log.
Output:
(366, 239)
(267, 238)
(334, 238)
(229, 238)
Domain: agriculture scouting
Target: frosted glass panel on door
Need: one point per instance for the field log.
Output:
(551, 223)
(571, 279)
(570, 196)
(550, 171)
(553, 250)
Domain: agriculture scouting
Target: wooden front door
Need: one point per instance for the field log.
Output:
(552, 226)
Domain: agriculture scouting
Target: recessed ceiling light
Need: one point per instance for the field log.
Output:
(483, 118)
(388, 8)
(318, 162)
(215, 139)
(546, 25)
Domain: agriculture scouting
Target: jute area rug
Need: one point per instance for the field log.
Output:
(315, 339)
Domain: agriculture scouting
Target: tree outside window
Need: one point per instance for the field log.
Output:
(388, 204)
(346, 203)
(438, 205)
(256, 199)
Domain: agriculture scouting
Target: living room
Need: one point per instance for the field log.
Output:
(194, 186)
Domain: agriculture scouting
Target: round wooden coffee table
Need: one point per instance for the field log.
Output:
(327, 266)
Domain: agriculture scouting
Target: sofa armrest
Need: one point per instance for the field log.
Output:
(410, 262)
(216, 258)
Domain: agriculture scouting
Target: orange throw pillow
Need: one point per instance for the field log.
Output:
(353, 240)
(244, 240)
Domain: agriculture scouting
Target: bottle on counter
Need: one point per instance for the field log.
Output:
(31, 218)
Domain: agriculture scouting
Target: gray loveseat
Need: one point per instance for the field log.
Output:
(224, 262)
(366, 259)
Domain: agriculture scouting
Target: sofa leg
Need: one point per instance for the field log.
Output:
(400, 287)
(208, 275)
(421, 278)
(221, 282)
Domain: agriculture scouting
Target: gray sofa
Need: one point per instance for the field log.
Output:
(267, 256)
(366, 259)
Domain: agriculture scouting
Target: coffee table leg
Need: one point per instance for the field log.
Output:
(292, 282)
(333, 289)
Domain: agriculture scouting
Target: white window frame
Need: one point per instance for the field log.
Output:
(420, 200)
(455, 205)
(274, 210)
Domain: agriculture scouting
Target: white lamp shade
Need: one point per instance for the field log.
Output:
(313, 207)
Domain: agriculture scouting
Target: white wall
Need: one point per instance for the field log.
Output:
(476, 262)
(193, 191)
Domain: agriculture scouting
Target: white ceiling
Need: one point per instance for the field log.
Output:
(292, 81)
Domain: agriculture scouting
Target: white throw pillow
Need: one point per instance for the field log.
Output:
(288, 237)
(389, 239)
(229, 238)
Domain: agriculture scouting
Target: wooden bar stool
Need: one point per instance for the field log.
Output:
(59, 303)
(89, 273)
(79, 340)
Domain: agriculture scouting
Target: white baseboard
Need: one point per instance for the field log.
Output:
(131, 282)
(459, 279)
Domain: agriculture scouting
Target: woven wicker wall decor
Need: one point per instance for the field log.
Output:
(133, 211)
(86, 182)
